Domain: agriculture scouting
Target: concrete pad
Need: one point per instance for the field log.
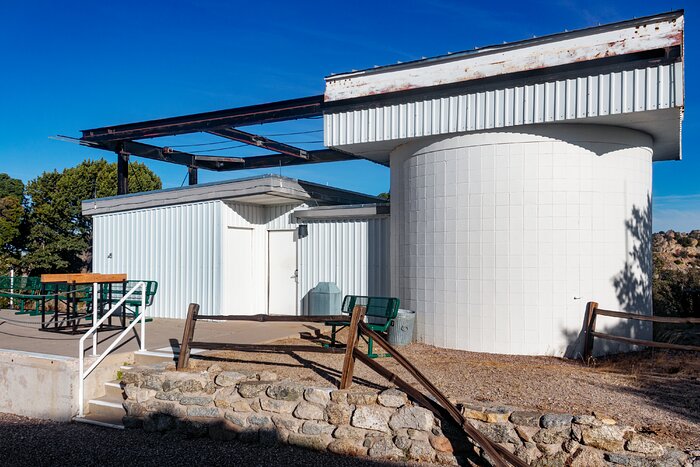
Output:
(21, 332)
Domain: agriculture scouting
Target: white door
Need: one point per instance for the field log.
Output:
(238, 280)
(282, 271)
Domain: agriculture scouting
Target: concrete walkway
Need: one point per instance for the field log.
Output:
(21, 332)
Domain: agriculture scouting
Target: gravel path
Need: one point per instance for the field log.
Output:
(656, 392)
(30, 442)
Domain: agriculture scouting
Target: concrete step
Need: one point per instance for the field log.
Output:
(149, 357)
(106, 411)
(107, 406)
(113, 390)
(165, 354)
(101, 420)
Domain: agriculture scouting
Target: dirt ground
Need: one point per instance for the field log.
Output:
(657, 392)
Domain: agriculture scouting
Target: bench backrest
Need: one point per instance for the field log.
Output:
(20, 284)
(118, 290)
(380, 310)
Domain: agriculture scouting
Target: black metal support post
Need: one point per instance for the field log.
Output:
(192, 172)
(122, 173)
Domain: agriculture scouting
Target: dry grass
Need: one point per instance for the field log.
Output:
(657, 392)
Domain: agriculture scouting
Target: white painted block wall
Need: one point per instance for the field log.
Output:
(500, 238)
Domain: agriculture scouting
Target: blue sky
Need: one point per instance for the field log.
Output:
(73, 65)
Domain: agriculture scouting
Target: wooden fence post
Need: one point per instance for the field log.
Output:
(358, 314)
(188, 333)
(591, 308)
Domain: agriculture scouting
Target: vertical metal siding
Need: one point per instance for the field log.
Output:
(242, 215)
(352, 253)
(273, 217)
(181, 248)
(651, 88)
(280, 217)
(178, 246)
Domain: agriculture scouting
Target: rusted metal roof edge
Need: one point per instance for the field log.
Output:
(494, 48)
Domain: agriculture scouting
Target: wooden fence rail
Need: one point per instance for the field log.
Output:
(592, 311)
(441, 406)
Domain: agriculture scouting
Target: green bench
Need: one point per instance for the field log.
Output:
(133, 303)
(22, 289)
(379, 315)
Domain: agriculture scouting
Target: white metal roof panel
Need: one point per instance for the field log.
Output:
(629, 37)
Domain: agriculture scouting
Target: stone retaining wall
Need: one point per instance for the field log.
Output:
(257, 407)
(578, 440)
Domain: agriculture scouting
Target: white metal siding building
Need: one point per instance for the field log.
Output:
(520, 190)
(229, 255)
(521, 179)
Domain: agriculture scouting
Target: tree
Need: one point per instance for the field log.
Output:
(11, 216)
(11, 187)
(60, 237)
(677, 293)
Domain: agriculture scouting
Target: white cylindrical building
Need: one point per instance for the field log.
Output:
(500, 238)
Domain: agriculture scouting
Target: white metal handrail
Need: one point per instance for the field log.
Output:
(84, 373)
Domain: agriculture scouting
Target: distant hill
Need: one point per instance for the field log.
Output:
(676, 251)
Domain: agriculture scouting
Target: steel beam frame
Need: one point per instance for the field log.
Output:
(260, 141)
(121, 138)
(218, 163)
(166, 154)
(263, 113)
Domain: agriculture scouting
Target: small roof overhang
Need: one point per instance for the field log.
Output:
(352, 211)
(263, 190)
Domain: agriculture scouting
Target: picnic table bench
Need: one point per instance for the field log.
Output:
(64, 292)
(30, 288)
(380, 314)
(22, 289)
(112, 293)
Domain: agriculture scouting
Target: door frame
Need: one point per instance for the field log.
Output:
(296, 261)
(226, 254)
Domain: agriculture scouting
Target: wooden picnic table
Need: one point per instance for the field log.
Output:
(72, 289)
